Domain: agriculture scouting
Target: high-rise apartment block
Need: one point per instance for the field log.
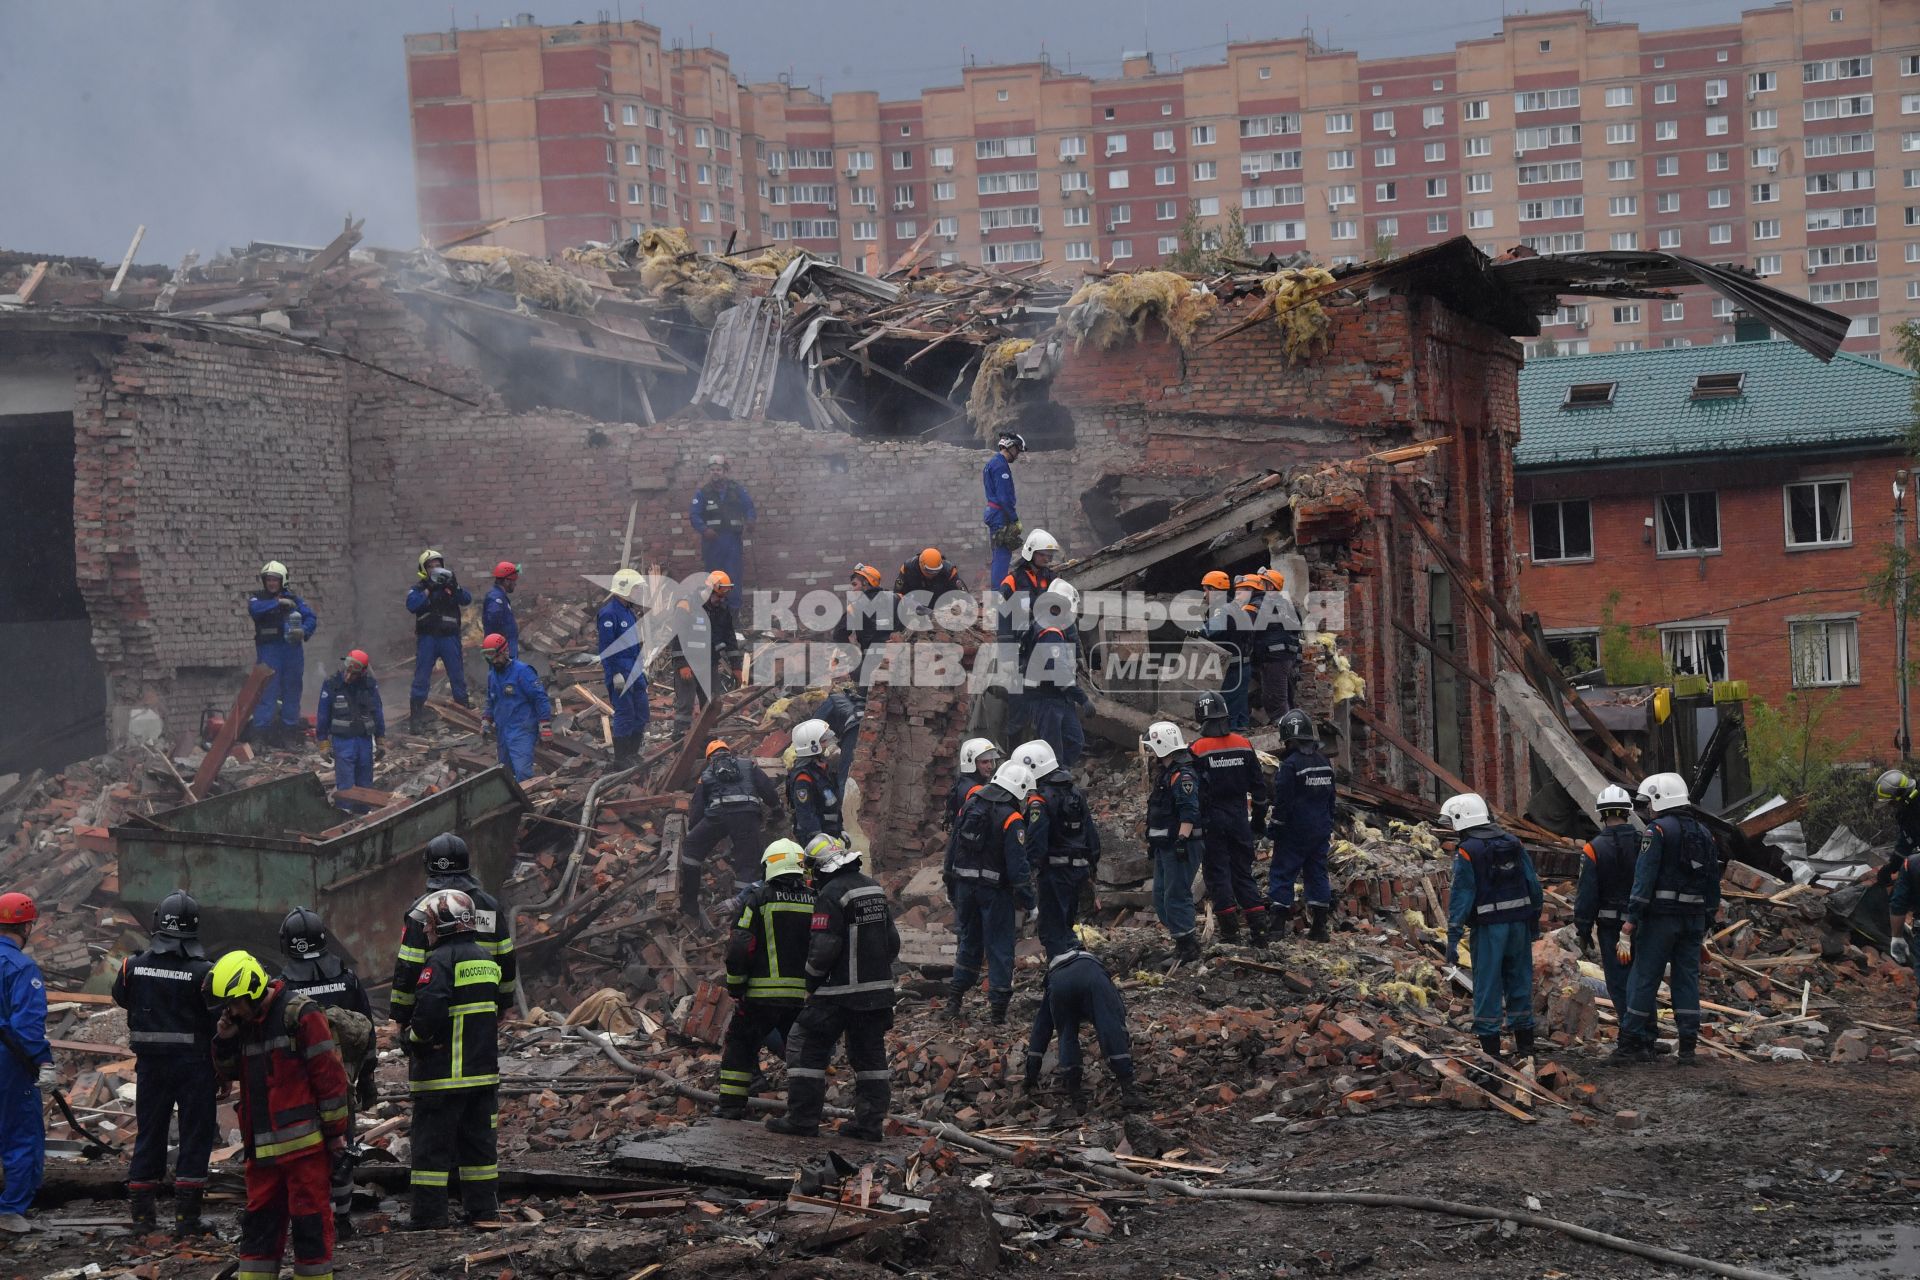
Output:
(1788, 141)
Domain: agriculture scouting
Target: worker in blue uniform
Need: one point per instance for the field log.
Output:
(721, 513)
(1176, 838)
(978, 760)
(518, 713)
(435, 602)
(351, 716)
(1062, 843)
(622, 661)
(1234, 800)
(1300, 825)
(1050, 693)
(496, 611)
(282, 624)
(1496, 892)
(1079, 989)
(1606, 887)
(26, 1064)
(1002, 516)
(1676, 895)
(987, 877)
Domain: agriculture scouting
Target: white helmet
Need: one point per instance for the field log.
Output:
(1664, 791)
(1464, 812)
(1065, 606)
(810, 737)
(1612, 797)
(1163, 738)
(274, 569)
(1014, 778)
(972, 749)
(625, 583)
(1039, 540)
(841, 855)
(1037, 756)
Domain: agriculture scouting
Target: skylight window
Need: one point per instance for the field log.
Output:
(1587, 395)
(1718, 386)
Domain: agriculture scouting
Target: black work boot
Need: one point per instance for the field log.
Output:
(342, 1225)
(186, 1213)
(1229, 926)
(1130, 1098)
(952, 1013)
(997, 1012)
(1074, 1083)
(1280, 919)
(417, 716)
(1629, 1053)
(1490, 1045)
(146, 1212)
(1257, 929)
(806, 1098)
(731, 1108)
(1186, 948)
(1317, 932)
(479, 1202)
(429, 1210)
(1523, 1042)
(870, 1099)
(1688, 1057)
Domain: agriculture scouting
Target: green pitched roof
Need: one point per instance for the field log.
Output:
(1788, 400)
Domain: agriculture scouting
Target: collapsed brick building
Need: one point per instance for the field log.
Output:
(351, 423)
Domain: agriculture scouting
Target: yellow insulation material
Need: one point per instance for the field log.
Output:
(991, 402)
(705, 285)
(1297, 312)
(528, 278)
(1115, 310)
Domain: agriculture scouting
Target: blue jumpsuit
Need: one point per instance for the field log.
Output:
(1078, 990)
(1001, 510)
(987, 876)
(518, 706)
(620, 655)
(1906, 900)
(1228, 626)
(1606, 885)
(23, 1130)
(436, 612)
(724, 510)
(350, 714)
(1300, 824)
(1496, 891)
(1676, 892)
(1175, 799)
(287, 661)
(496, 619)
(1051, 694)
(1064, 845)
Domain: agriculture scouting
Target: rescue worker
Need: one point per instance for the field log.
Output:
(623, 662)
(850, 993)
(1230, 626)
(1496, 892)
(704, 644)
(496, 611)
(1002, 515)
(1276, 646)
(450, 866)
(1174, 834)
(351, 717)
(1050, 685)
(518, 716)
(868, 619)
(453, 1065)
(843, 712)
(1019, 590)
(171, 1034)
(1898, 792)
(722, 513)
(766, 970)
(813, 791)
(1606, 886)
(292, 1114)
(310, 969)
(924, 581)
(1062, 842)
(282, 624)
(1234, 791)
(988, 878)
(435, 602)
(731, 802)
(26, 1066)
(1904, 902)
(1300, 825)
(1079, 989)
(978, 760)
(1675, 897)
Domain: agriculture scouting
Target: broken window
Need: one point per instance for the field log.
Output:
(1826, 651)
(1576, 653)
(1689, 522)
(1819, 513)
(1562, 531)
(1699, 651)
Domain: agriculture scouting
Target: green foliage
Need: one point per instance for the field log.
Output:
(1206, 250)
(1792, 750)
(1546, 348)
(1906, 340)
(1382, 247)
(1629, 655)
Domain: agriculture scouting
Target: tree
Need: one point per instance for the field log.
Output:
(1792, 753)
(1546, 348)
(1629, 655)
(1382, 247)
(1206, 250)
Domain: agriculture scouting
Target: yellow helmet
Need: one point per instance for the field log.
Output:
(783, 858)
(625, 583)
(236, 976)
(429, 554)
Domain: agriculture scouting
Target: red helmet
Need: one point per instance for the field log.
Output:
(17, 908)
(506, 569)
(359, 657)
(495, 643)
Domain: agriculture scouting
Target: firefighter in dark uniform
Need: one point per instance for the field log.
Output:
(1078, 990)
(869, 618)
(453, 1065)
(1606, 886)
(1495, 891)
(313, 971)
(766, 970)
(924, 581)
(849, 993)
(1174, 834)
(1062, 843)
(813, 792)
(704, 647)
(170, 1031)
(979, 758)
(1235, 792)
(842, 710)
(449, 866)
(1676, 895)
(1300, 824)
(988, 878)
(730, 802)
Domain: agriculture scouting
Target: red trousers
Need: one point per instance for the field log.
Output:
(292, 1194)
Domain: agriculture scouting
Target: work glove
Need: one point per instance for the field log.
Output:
(1586, 944)
(1623, 950)
(619, 682)
(367, 1090)
(546, 732)
(1454, 937)
(283, 603)
(1901, 950)
(49, 1077)
(486, 728)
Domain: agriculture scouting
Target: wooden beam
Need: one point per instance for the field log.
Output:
(238, 717)
(120, 276)
(32, 282)
(1449, 659)
(1102, 570)
(1778, 816)
(1407, 748)
(337, 248)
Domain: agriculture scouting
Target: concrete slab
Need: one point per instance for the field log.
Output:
(738, 1153)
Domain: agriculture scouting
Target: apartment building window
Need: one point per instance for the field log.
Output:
(1859, 215)
(1628, 313)
(941, 157)
(1698, 651)
(1115, 144)
(859, 196)
(1340, 195)
(1762, 81)
(1688, 522)
(866, 229)
(1825, 651)
(1838, 144)
(1339, 159)
(1839, 180)
(1168, 210)
(1562, 531)
(1623, 241)
(1766, 229)
(1000, 95)
(1261, 126)
(1664, 93)
(1436, 223)
(1620, 133)
(1162, 140)
(1836, 69)
(1719, 161)
(1620, 170)
(1434, 152)
(1345, 229)
(1206, 170)
(1479, 184)
(999, 184)
(1383, 157)
(1475, 109)
(989, 148)
(1562, 171)
(1275, 232)
(1119, 215)
(636, 193)
(1666, 166)
(1073, 146)
(1079, 251)
(1014, 251)
(1720, 233)
(1163, 175)
(1382, 120)
(1765, 158)
(1479, 219)
(1545, 100)
(1623, 206)
(1764, 118)
(1719, 197)
(1910, 64)
(1205, 206)
(1910, 178)
(903, 196)
(1910, 104)
(1716, 89)
(948, 227)
(629, 114)
(1673, 311)
(706, 211)
(1480, 146)
(1864, 327)
(633, 153)
(1767, 264)
(1387, 227)
(1200, 135)
(1765, 193)
(1118, 179)
(905, 228)
(1433, 117)
(1666, 130)
(1122, 249)
(1436, 188)
(705, 174)
(1386, 192)
(1558, 135)
(1842, 255)
(943, 191)
(1819, 513)
(1837, 108)
(810, 158)
(1078, 180)
(1844, 291)
(1620, 96)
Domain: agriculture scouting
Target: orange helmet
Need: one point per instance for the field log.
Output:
(359, 658)
(1218, 581)
(495, 643)
(1252, 580)
(867, 574)
(719, 581)
(717, 744)
(17, 908)
(506, 569)
(931, 560)
(1275, 579)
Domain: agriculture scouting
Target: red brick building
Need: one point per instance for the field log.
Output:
(1732, 503)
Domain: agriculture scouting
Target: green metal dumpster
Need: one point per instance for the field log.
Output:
(252, 855)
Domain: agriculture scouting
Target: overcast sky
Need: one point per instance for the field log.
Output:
(215, 122)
